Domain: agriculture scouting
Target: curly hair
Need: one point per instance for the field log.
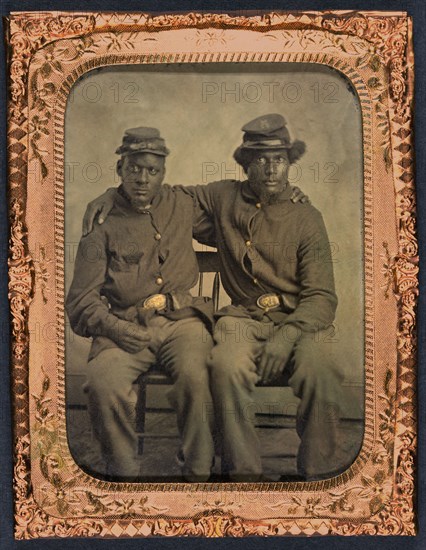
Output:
(244, 157)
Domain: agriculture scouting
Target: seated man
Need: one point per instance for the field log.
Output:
(130, 293)
(276, 267)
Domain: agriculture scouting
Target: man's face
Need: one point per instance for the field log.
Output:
(268, 173)
(141, 175)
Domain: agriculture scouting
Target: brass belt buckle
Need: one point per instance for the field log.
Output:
(268, 301)
(155, 301)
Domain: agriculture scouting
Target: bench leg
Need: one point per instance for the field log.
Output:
(140, 414)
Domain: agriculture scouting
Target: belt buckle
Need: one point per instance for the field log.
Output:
(268, 301)
(155, 301)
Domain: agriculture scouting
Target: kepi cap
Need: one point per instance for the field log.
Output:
(266, 132)
(143, 140)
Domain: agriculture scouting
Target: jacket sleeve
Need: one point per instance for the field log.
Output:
(88, 312)
(317, 302)
(203, 219)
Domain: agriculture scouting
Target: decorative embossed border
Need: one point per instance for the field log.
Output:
(48, 52)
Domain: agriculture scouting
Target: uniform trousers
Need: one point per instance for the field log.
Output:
(181, 348)
(310, 372)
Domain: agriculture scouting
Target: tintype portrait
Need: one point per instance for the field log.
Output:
(213, 274)
(278, 323)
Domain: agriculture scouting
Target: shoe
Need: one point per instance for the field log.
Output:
(213, 478)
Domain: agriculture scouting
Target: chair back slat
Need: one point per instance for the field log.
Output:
(208, 262)
(200, 284)
(216, 290)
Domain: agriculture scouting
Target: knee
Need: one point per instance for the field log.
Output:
(193, 374)
(97, 385)
(221, 362)
(313, 363)
(230, 370)
(103, 380)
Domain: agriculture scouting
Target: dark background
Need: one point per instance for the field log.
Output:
(417, 9)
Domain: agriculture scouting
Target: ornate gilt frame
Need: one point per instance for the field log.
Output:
(53, 497)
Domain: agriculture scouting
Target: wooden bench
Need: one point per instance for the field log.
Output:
(208, 263)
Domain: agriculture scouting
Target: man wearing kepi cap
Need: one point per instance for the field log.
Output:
(130, 293)
(276, 267)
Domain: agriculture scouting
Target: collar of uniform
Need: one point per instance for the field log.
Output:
(250, 196)
(122, 199)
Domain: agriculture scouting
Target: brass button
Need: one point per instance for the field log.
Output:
(248, 243)
(258, 205)
(157, 236)
(255, 281)
(158, 281)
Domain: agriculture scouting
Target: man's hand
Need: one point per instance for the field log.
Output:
(101, 205)
(131, 337)
(273, 359)
(299, 196)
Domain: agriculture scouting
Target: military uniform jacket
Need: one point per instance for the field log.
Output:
(281, 248)
(131, 256)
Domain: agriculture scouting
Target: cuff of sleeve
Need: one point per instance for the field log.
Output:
(110, 327)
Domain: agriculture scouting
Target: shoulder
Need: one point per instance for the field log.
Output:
(175, 191)
(117, 212)
(167, 189)
(99, 231)
(92, 246)
(310, 220)
(114, 218)
(305, 210)
(177, 194)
